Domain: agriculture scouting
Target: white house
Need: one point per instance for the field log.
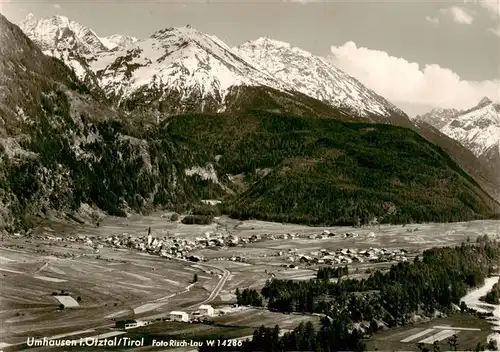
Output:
(126, 324)
(206, 309)
(179, 316)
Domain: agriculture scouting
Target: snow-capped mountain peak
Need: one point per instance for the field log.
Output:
(180, 62)
(483, 102)
(315, 76)
(59, 33)
(477, 128)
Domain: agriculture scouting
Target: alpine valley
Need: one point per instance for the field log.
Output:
(121, 125)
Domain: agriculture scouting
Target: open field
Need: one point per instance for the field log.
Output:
(120, 283)
(469, 329)
(111, 283)
(257, 317)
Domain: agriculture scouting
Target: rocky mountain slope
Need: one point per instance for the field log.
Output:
(65, 150)
(320, 79)
(491, 157)
(59, 148)
(484, 171)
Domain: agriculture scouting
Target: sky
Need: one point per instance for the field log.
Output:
(417, 54)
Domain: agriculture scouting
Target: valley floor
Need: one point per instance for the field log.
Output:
(120, 283)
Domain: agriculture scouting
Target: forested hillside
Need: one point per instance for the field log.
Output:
(293, 169)
(322, 171)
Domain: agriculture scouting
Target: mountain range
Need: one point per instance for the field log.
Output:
(176, 68)
(179, 116)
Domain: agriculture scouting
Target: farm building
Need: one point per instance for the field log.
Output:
(179, 316)
(206, 309)
(126, 324)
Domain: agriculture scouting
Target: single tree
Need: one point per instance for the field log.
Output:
(422, 347)
(195, 278)
(61, 306)
(238, 296)
(453, 342)
(79, 299)
(435, 346)
(492, 345)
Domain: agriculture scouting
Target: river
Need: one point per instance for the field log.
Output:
(472, 301)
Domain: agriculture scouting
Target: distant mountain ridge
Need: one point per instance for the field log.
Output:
(117, 41)
(60, 33)
(437, 117)
(477, 128)
(195, 67)
(186, 65)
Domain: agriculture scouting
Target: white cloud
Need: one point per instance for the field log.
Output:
(433, 20)
(406, 82)
(459, 14)
(493, 6)
(56, 6)
(495, 31)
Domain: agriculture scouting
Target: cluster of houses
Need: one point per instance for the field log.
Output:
(176, 247)
(173, 246)
(167, 246)
(324, 235)
(346, 256)
(203, 311)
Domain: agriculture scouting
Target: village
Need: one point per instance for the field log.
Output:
(171, 246)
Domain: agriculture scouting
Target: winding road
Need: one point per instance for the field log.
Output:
(220, 285)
